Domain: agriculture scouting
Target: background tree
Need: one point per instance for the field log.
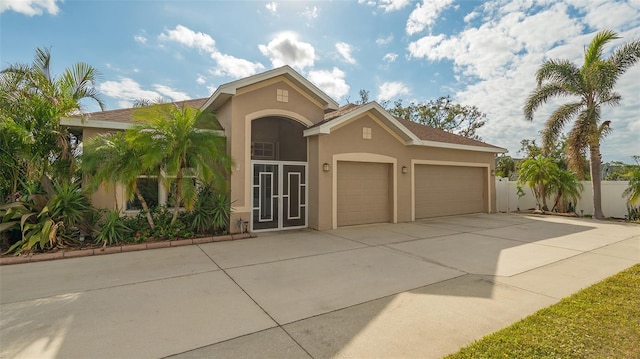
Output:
(32, 102)
(632, 192)
(592, 85)
(443, 114)
(505, 167)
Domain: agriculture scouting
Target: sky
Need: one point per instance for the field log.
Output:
(481, 53)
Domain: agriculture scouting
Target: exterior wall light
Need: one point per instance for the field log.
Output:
(325, 167)
(405, 169)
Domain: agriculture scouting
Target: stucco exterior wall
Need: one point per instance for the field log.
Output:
(251, 103)
(384, 144)
(110, 196)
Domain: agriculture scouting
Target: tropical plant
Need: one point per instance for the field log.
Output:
(32, 101)
(592, 85)
(168, 137)
(111, 229)
(537, 173)
(221, 212)
(567, 188)
(109, 159)
(632, 192)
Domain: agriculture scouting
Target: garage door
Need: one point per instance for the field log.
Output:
(363, 193)
(449, 190)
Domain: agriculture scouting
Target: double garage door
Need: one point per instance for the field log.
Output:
(365, 192)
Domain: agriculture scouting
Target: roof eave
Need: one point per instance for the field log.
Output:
(88, 123)
(456, 146)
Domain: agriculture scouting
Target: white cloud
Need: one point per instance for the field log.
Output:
(141, 39)
(393, 5)
(286, 49)
(331, 82)
(167, 91)
(345, 50)
(190, 38)
(272, 6)
(234, 67)
(126, 90)
(310, 12)
(495, 62)
(227, 65)
(384, 40)
(470, 16)
(390, 57)
(390, 90)
(201, 80)
(425, 15)
(30, 7)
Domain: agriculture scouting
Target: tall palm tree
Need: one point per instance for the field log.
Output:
(592, 86)
(34, 99)
(110, 159)
(168, 136)
(537, 173)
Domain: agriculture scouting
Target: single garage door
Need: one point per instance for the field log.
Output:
(449, 190)
(363, 193)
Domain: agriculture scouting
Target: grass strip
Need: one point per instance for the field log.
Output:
(601, 321)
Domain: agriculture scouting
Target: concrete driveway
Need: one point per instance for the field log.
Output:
(421, 289)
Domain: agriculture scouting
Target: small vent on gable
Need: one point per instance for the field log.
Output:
(366, 133)
(282, 95)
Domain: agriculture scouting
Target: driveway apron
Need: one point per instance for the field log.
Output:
(422, 289)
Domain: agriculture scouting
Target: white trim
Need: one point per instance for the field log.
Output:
(456, 146)
(88, 123)
(224, 92)
(380, 113)
(288, 195)
(361, 157)
(415, 162)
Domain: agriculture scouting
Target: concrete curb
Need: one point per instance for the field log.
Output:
(40, 257)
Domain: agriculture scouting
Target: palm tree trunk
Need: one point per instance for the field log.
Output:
(145, 208)
(176, 207)
(595, 159)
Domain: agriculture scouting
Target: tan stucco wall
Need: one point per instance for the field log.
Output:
(251, 103)
(347, 139)
(107, 196)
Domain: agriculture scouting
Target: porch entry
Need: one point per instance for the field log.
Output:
(279, 195)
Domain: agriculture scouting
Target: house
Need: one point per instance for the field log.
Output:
(303, 161)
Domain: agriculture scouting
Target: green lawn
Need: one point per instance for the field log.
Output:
(602, 321)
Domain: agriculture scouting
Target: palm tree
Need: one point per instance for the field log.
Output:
(168, 136)
(592, 86)
(110, 159)
(537, 173)
(35, 100)
(567, 187)
(633, 190)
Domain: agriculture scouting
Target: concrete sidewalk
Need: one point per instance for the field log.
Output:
(421, 289)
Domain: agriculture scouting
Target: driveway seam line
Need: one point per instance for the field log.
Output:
(278, 325)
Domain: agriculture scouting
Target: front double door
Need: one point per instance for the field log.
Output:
(279, 195)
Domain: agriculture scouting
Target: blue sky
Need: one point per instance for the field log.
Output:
(481, 53)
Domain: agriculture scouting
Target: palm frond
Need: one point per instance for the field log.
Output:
(626, 56)
(559, 118)
(593, 53)
(541, 95)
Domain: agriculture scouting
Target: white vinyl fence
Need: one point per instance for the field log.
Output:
(613, 204)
